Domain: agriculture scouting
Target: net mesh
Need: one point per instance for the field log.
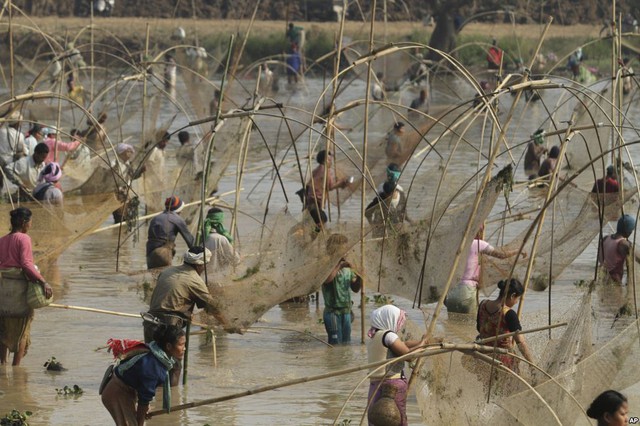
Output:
(54, 229)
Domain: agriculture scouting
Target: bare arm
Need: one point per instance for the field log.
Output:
(502, 253)
(402, 348)
(524, 348)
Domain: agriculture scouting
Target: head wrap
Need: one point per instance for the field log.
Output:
(538, 136)
(214, 221)
(626, 225)
(610, 171)
(123, 147)
(51, 173)
(197, 258)
(393, 175)
(174, 204)
(387, 317)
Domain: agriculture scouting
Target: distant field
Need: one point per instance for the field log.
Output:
(160, 28)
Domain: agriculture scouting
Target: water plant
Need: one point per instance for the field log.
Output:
(15, 418)
(74, 390)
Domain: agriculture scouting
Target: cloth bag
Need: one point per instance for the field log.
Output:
(13, 293)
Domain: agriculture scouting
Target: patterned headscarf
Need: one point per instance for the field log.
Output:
(51, 173)
(214, 221)
(387, 317)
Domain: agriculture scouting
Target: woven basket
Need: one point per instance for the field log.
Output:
(13, 293)
(35, 296)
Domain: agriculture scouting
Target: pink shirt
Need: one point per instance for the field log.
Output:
(59, 146)
(612, 260)
(15, 252)
(472, 269)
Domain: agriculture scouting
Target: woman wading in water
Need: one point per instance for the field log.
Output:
(137, 378)
(496, 317)
(16, 264)
(387, 322)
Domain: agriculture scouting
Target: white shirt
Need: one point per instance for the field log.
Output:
(24, 172)
(223, 253)
(11, 143)
(30, 144)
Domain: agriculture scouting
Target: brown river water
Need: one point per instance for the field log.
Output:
(85, 275)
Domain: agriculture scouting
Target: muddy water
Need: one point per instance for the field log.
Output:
(85, 276)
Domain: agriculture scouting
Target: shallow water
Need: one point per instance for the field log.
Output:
(84, 276)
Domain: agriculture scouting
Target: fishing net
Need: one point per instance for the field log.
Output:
(597, 350)
(402, 252)
(54, 229)
(275, 268)
(571, 224)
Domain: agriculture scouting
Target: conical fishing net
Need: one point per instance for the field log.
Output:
(282, 263)
(398, 258)
(54, 229)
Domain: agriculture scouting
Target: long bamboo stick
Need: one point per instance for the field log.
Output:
(149, 216)
(424, 352)
(532, 330)
(365, 146)
(107, 312)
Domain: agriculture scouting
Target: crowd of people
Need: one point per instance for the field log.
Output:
(32, 162)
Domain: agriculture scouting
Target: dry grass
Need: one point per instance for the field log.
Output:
(160, 28)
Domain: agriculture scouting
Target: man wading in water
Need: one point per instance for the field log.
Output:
(163, 230)
(178, 291)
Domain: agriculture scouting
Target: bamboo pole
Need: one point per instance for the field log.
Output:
(151, 215)
(423, 352)
(92, 61)
(11, 67)
(532, 330)
(363, 203)
(115, 313)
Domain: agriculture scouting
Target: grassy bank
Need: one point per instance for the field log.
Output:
(267, 37)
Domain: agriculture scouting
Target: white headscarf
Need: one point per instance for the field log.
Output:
(387, 317)
(197, 259)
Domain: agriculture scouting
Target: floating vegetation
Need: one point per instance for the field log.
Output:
(16, 418)
(54, 365)
(74, 390)
(380, 299)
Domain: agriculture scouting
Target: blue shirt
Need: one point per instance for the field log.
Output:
(145, 376)
(165, 227)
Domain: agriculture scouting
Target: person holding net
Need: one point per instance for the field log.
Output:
(463, 298)
(614, 249)
(163, 230)
(322, 181)
(496, 317)
(336, 292)
(385, 343)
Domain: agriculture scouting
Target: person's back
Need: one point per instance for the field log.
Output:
(549, 165)
(494, 57)
(48, 194)
(532, 157)
(162, 233)
(613, 256)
